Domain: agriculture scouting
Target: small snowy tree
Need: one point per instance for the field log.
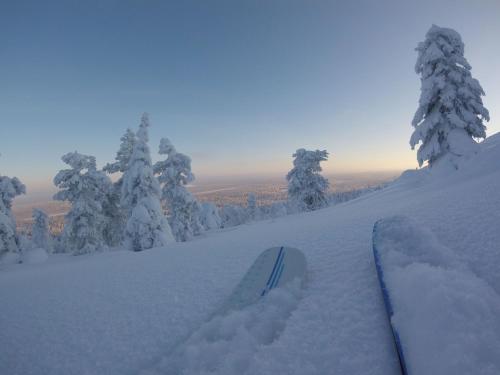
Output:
(252, 208)
(115, 215)
(209, 216)
(146, 226)
(40, 235)
(306, 187)
(278, 209)
(183, 209)
(451, 112)
(9, 189)
(86, 188)
(233, 215)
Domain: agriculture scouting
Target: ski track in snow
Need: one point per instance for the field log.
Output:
(121, 312)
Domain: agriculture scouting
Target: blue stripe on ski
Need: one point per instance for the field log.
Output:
(388, 304)
(272, 273)
(279, 275)
(280, 264)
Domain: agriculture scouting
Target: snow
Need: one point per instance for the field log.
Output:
(226, 344)
(10, 258)
(446, 317)
(123, 312)
(35, 256)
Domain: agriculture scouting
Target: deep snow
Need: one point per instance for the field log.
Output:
(446, 317)
(124, 313)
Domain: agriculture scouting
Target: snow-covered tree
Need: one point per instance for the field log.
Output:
(233, 215)
(306, 187)
(9, 189)
(209, 216)
(146, 226)
(40, 235)
(451, 112)
(86, 188)
(115, 215)
(174, 173)
(252, 208)
(278, 209)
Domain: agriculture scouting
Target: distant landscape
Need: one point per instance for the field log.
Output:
(220, 190)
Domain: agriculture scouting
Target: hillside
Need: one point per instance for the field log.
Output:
(122, 312)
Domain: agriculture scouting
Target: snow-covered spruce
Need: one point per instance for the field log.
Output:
(252, 208)
(115, 214)
(9, 189)
(86, 188)
(306, 187)
(174, 173)
(233, 215)
(273, 210)
(40, 235)
(146, 226)
(451, 112)
(209, 216)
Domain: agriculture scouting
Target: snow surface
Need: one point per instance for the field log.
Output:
(33, 256)
(125, 313)
(446, 317)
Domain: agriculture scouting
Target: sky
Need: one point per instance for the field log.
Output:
(236, 85)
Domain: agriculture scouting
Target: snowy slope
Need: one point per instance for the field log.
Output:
(124, 312)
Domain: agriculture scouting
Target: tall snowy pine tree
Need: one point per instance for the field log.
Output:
(146, 226)
(306, 187)
(183, 209)
(451, 112)
(86, 188)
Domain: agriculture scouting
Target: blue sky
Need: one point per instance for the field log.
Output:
(237, 85)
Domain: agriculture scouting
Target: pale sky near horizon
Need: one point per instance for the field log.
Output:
(237, 85)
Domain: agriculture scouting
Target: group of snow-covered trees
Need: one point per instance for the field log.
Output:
(130, 211)
(149, 204)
